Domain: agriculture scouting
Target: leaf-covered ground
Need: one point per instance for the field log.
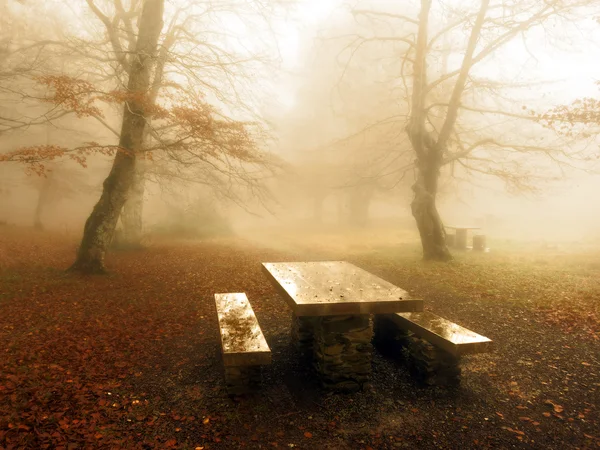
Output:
(132, 359)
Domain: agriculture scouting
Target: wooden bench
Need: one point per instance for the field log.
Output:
(243, 344)
(432, 345)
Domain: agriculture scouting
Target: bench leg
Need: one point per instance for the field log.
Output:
(388, 338)
(343, 351)
(461, 239)
(479, 243)
(303, 334)
(241, 379)
(431, 365)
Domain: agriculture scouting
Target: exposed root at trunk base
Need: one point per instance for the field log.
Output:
(88, 268)
(429, 223)
(440, 255)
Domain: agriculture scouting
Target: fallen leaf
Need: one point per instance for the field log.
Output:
(512, 430)
(558, 409)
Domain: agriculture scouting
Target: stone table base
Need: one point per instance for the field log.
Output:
(428, 364)
(389, 339)
(303, 334)
(242, 379)
(432, 365)
(343, 351)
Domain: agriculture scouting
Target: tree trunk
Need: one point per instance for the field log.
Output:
(131, 216)
(44, 195)
(100, 226)
(429, 223)
(428, 151)
(37, 216)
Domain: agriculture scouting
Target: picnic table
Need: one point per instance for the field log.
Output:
(331, 302)
(460, 241)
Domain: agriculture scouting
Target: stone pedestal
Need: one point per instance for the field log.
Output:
(303, 334)
(431, 365)
(428, 364)
(389, 339)
(460, 241)
(479, 243)
(242, 379)
(343, 351)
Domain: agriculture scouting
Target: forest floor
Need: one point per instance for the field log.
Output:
(132, 359)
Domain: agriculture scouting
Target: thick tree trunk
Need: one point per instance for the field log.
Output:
(100, 226)
(37, 215)
(429, 152)
(429, 223)
(131, 217)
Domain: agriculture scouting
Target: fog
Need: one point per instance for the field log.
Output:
(313, 100)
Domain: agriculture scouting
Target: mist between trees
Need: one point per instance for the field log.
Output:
(199, 118)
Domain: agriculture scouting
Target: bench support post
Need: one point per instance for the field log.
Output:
(460, 241)
(388, 337)
(479, 243)
(241, 379)
(428, 364)
(303, 334)
(343, 351)
(432, 365)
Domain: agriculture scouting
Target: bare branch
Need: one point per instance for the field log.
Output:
(112, 34)
(452, 112)
(365, 12)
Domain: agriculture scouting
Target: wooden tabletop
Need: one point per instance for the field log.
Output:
(326, 288)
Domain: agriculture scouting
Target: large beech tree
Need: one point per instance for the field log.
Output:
(100, 226)
(457, 111)
(429, 147)
(187, 116)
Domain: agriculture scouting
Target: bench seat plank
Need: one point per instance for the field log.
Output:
(443, 333)
(242, 340)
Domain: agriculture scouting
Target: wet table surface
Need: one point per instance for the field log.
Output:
(242, 340)
(327, 288)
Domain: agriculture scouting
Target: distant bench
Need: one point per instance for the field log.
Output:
(432, 344)
(243, 344)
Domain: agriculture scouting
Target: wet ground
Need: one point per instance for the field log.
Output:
(132, 359)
